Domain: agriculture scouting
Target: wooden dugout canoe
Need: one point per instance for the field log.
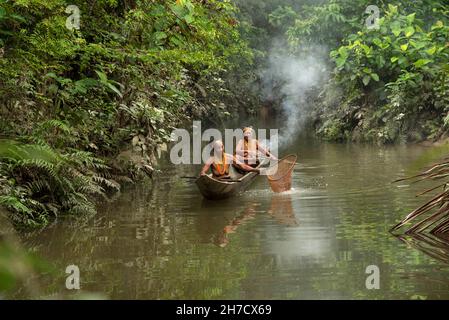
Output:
(215, 189)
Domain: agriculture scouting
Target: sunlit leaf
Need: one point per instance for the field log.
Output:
(439, 24)
(422, 62)
(432, 50)
(103, 77)
(115, 89)
(411, 17)
(409, 31)
(377, 42)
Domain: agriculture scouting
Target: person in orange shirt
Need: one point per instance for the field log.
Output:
(248, 149)
(220, 163)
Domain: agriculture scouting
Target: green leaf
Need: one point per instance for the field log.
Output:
(439, 24)
(366, 49)
(377, 42)
(103, 77)
(418, 45)
(343, 51)
(176, 41)
(375, 76)
(189, 18)
(432, 50)
(159, 35)
(15, 203)
(178, 10)
(115, 89)
(366, 70)
(380, 60)
(422, 62)
(402, 60)
(396, 28)
(409, 31)
(18, 18)
(366, 80)
(411, 18)
(340, 61)
(394, 59)
(83, 85)
(404, 47)
(51, 75)
(393, 9)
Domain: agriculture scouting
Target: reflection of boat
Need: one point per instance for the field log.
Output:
(281, 209)
(433, 246)
(249, 213)
(215, 189)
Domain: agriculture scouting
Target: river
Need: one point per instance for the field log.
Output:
(163, 241)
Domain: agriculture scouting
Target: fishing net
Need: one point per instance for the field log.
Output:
(280, 175)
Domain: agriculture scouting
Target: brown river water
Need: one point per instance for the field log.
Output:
(164, 241)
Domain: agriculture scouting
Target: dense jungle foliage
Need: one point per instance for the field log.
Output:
(83, 110)
(393, 79)
(388, 83)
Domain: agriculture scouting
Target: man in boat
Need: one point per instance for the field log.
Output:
(220, 163)
(248, 149)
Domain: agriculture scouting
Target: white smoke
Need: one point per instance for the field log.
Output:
(289, 79)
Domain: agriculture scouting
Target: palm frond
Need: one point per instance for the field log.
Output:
(433, 215)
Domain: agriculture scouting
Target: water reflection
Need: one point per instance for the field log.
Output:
(222, 238)
(281, 210)
(164, 241)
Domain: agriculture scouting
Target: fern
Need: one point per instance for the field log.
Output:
(46, 167)
(47, 182)
(107, 182)
(12, 202)
(37, 186)
(54, 124)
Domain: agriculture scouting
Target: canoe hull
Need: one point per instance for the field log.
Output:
(214, 189)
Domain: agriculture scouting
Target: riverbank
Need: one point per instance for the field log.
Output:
(85, 109)
(366, 124)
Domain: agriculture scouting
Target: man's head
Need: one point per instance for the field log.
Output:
(218, 147)
(247, 132)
